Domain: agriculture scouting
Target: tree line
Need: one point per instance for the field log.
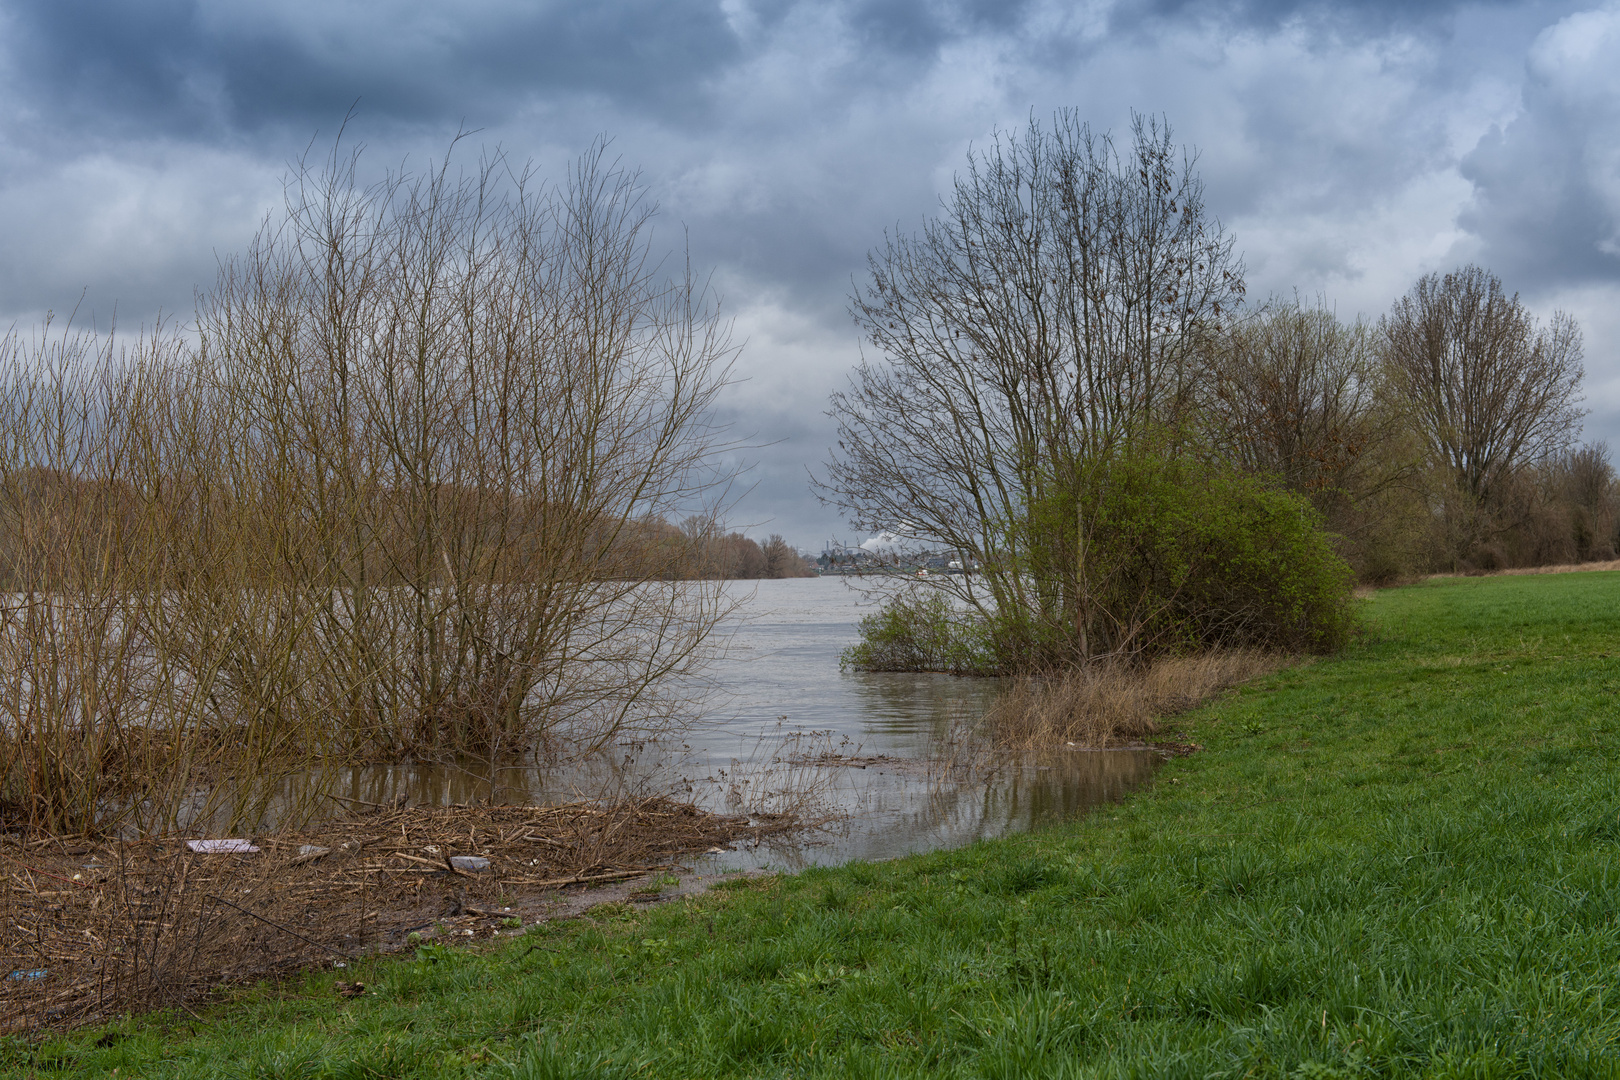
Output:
(1069, 384)
(701, 547)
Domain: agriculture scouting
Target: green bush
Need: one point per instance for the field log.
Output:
(1180, 555)
(921, 630)
(1184, 554)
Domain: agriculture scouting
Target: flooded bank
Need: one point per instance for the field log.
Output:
(879, 756)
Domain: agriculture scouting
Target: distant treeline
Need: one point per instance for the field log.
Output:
(49, 518)
(700, 548)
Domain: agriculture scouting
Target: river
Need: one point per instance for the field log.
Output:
(903, 778)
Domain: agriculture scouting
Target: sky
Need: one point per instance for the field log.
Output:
(1349, 147)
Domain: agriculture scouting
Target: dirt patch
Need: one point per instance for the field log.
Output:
(92, 930)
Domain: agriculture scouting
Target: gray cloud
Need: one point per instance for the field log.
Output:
(206, 70)
(186, 68)
(1547, 185)
(1351, 146)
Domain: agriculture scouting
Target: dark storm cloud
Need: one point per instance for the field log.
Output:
(186, 68)
(194, 69)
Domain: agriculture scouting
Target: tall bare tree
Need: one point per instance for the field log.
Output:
(1490, 387)
(1048, 315)
(1296, 395)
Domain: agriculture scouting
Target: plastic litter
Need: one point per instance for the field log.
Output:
(221, 847)
(309, 853)
(28, 976)
(469, 862)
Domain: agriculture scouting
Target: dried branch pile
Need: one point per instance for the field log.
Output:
(92, 930)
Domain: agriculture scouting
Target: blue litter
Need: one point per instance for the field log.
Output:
(27, 976)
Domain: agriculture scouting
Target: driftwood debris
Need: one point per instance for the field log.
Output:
(124, 925)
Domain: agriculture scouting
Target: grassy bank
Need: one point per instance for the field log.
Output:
(1398, 862)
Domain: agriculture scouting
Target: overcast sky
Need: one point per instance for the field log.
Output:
(1350, 147)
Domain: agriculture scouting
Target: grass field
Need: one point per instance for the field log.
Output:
(1403, 861)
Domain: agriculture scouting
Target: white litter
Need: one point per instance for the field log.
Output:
(221, 847)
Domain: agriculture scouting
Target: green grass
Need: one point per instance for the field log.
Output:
(1403, 861)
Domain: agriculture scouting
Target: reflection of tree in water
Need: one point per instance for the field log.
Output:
(931, 706)
(1027, 792)
(472, 780)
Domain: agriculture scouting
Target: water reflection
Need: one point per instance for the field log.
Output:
(778, 684)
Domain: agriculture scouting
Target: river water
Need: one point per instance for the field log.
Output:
(881, 757)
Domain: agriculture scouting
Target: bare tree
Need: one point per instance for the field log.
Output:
(1489, 387)
(1297, 395)
(1048, 315)
(781, 561)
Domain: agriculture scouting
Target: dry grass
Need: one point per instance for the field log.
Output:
(1561, 568)
(93, 930)
(1365, 591)
(1108, 703)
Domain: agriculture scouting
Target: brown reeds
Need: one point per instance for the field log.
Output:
(1107, 703)
(373, 508)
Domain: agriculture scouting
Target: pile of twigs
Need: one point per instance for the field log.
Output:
(94, 929)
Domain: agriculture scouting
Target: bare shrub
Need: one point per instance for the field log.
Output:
(101, 722)
(375, 509)
(457, 400)
(1103, 703)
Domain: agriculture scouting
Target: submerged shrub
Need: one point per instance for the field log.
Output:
(390, 502)
(1178, 556)
(922, 631)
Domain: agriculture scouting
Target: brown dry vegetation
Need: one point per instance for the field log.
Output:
(1106, 703)
(114, 927)
(379, 506)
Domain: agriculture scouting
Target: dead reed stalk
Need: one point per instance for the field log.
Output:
(1105, 703)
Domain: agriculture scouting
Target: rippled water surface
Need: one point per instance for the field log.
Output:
(778, 699)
